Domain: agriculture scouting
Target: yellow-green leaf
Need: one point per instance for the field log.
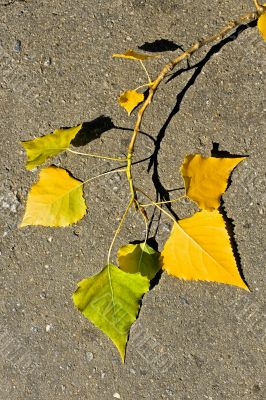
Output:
(206, 178)
(40, 149)
(199, 248)
(111, 301)
(141, 258)
(262, 25)
(55, 200)
(130, 100)
(133, 55)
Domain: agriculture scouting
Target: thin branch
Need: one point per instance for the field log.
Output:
(156, 204)
(131, 201)
(97, 156)
(164, 202)
(103, 174)
(259, 7)
(146, 71)
(244, 19)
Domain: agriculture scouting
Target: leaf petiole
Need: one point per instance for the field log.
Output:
(155, 204)
(259, 7)
(164, 202)
(131, 201)
(146, 71)
(97, 156)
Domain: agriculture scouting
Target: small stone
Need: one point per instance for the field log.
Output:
(47, 62)
(48, 328)
(116, 396)
(256, 388)
(89, 356)
(132, 371)
(43, 295)
(183, 300)
(34, 329)
(17, 47)
(50, 239)
(77, 232)
(169, 392)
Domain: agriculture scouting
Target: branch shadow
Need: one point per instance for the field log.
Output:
(162, 194)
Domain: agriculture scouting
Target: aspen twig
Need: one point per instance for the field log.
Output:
(244, 19)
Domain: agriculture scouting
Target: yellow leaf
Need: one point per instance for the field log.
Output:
(262, 25)
(206, 178)
(55, 200)
(130, 100)
(133, 55)
(40, 149)
(199, 248)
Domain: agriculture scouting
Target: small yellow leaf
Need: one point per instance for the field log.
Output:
(55, 200)
(40, 149)
(199, 248)
(133, 55)
(206, 178)
(262, 25)
(130, 100)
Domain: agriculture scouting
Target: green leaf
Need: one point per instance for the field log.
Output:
(111, 301)
(55, 200)
(141, 258)
(40, 149)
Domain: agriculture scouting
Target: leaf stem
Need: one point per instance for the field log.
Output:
(97, 156)
(103, 174)
(146, 71)
(244, 19)
(131, 201)
(164, 202)
(142, 86)
(156, 204)
(259, 7)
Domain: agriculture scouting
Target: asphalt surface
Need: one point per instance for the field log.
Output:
(192, 340)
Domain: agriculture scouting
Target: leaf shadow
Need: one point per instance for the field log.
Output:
(215, 152)
(160, 45)
(162, 194)
(92, 130)
(229, 223)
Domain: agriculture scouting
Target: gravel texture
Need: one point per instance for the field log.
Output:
(192, 340)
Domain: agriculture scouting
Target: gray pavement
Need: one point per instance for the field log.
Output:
(192, 340)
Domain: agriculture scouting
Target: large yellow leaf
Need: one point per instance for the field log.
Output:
(55, 200)
(130, 100)
(133, 55)
(262, 25)
(40, 149)
(206, 178)
(199, 248)
(111, 301)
